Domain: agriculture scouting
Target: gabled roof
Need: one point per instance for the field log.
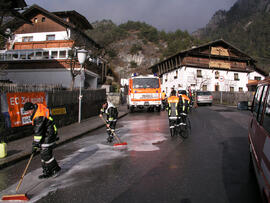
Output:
(35, 9)
(219, 42)
(75, 18)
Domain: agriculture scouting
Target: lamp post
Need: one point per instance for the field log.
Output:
(81, 58)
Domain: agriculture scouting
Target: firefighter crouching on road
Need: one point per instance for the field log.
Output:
(172, 108)
(184, 103)
(45, 136)
(112, 114)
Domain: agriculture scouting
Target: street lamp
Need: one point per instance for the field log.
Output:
(82, 53)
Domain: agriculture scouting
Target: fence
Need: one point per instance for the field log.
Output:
(57, 98)
(231, 98)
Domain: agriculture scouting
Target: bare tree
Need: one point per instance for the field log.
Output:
(200, 81)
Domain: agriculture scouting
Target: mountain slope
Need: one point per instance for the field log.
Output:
(246, 25)
(135, 46)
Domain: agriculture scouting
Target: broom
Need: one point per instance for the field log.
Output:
(19, 196)
(118, 139)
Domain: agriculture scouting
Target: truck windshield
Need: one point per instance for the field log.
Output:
(145, 83)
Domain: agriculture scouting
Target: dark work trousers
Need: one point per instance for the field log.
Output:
(112, 127)
(173, 123)
(48, 161)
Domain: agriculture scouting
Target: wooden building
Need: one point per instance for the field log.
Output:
(40, 53)
(215, 66)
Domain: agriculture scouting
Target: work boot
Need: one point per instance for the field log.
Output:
(55, 171)
(44, 175)
(110, 139)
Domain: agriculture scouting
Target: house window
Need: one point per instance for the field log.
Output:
(62, 54)
(240, 89)
(15, 56)
(46, 54)
(50, 37)
(27, 39)
(257, 78)
(216, 88)
(54, 54)
(176, 74)
(35, 20)
(216, 75)
(30, 55)
(204, 87)
(231, 89)
(43, 19)
(236, 77)
(23, 56)
(199, 73)
(38, 55)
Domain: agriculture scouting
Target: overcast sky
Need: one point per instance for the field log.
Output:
(168, 15)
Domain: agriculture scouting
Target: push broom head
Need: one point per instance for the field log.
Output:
(15, 197)
(120, 144)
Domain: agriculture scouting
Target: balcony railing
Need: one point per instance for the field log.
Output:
(34, 54)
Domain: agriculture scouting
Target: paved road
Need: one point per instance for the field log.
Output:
(209, 166)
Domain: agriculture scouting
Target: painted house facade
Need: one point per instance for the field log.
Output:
(40, 53)
(216, 66)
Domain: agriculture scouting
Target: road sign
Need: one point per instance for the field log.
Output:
(221, 78)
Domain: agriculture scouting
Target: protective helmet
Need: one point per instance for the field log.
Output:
(28, 106)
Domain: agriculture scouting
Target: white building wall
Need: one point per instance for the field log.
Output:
(254, 74)
(187, 76)
(41, 36)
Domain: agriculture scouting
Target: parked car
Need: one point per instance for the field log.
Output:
(204, 97)
(259, 137)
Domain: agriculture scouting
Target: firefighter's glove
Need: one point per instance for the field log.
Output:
(34, 150)
(35, 147)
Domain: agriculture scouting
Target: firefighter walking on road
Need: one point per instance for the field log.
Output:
(45, 136)
(184, 103)
(173, 115)
(112, 114)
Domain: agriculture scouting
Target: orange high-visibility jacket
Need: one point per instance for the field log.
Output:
(173, 102)
(42, 110)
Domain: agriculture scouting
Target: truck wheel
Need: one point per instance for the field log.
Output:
(158, 108)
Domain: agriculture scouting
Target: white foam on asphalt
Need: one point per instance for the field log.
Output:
(91, 156)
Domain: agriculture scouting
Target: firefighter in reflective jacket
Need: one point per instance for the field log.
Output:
(45, 136)
(184, 103)
(172, 108)
(112, 114)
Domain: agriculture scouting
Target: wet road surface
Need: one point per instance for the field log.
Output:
(210, 166)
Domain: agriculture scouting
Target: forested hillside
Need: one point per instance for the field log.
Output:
(135, 46)
(246, 25)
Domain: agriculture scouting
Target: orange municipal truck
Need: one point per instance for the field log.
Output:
(144, 92)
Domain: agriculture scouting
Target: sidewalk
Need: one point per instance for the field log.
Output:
(21, 149)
